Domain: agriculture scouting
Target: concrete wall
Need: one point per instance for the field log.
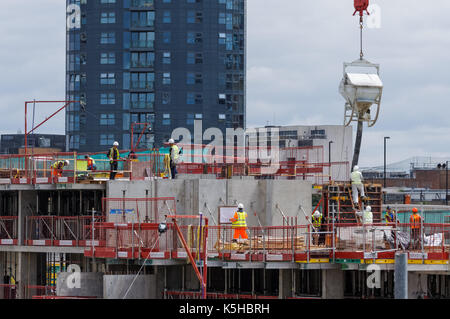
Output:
(258, 196)
(116, 286)
(333, 284)
(90, 284)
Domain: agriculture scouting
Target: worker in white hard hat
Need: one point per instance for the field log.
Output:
(367, 216)
(58, 167)
(174, 153)
(114, 156)
(239, 223)
(317, 225)
(357, 184)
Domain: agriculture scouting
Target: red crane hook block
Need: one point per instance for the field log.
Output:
(360, 6)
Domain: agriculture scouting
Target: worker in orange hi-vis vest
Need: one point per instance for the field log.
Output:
(415, 220)
(239, 224)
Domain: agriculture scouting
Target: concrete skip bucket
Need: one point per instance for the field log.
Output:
(361, 91)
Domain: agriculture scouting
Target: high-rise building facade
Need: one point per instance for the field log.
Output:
(163, 62)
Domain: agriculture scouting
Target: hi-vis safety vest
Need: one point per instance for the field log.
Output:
(415, 221)
(56, 164)
(174, 153)
(113, 154)
(367, 217)
(356, 178)
(317, 222)
(240, 222)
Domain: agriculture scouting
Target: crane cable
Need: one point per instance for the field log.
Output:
(361, 26)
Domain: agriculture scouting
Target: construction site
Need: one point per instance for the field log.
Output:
(72, 232)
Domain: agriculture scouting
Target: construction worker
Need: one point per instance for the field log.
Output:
(357, 184)
(174, 154)
(114, 156)
(367, 216)
(58, 166)
(415, 220)
(239, 223)
(90, 163)
(317, 223)
(389, 216)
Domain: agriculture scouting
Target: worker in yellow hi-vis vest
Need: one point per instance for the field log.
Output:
(239, 223)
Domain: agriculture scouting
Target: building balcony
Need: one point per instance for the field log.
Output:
(143, 44)
(142, 85)
(142, 5)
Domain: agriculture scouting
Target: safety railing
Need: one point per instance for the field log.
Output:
(274, 243)
(8, 230)
(34, 291)
(138, 210)
(60, 230)
(8, 291)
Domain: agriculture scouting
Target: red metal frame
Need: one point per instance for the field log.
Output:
(40, 124)
(146, 125)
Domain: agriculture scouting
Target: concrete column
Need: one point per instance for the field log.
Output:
(401, 276)
(285, 283)
(333, 284)
(26, 273)
(417, 285)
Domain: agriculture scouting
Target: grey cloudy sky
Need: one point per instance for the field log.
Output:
(295, 54)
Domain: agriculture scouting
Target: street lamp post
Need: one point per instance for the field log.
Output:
(446, 183)
(384, 176)
(329, 159)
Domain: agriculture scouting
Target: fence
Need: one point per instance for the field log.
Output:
(138, 210)
(60, 230)
(8, 229)
(274, 243)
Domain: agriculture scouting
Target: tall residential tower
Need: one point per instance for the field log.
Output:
(163, 62)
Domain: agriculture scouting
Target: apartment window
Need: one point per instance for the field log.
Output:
(167, 17)
(107, 119)
(194, 16)
(198, 116)
(142, 100)
(142, 59)
(165, 97)
(166, 78)
(106, 139)
(190, 119)
(222, 19)
(194, 58)
(193, 1)
(194, 78)
(142, 39)
(222, 117)
(107, 78)
(167, 1)
(108, 38)
(108, 58)
(142, 80)
(108, 17)
(107, 98)
(108, 1)
(142, 18)
(166, 36)
(166, 119)
(194, 38)
(166, 58)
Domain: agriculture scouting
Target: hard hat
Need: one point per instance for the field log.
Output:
(116, 143)
(356, 168)
(415, 210)
(369, 209)
(67, 162)
(241, 205)
(171, 141)
(317, 214)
